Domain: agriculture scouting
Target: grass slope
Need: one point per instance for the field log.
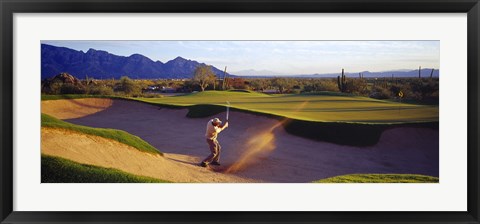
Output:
(310, 107)
(380, 178)
(117, 135)
(59, 170)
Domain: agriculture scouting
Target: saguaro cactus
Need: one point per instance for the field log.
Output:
(224, 78)
(419, 71)
(342, 82)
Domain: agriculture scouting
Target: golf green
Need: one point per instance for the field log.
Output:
(324, 108)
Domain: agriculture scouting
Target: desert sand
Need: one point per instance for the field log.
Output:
(273, 154)
(69, 109)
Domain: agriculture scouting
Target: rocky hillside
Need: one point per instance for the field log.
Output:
(104, 65)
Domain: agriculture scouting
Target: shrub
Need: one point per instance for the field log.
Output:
(129, 87)
(100, 90)
(357, 86)
(259, 84)
(68, 88)
(238, 83)
(282, 84)
(327, 85)
(380, 93)
(53, 88)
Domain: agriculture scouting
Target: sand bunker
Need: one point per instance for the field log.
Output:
(294, 159)
(94, 150)
(75, 108)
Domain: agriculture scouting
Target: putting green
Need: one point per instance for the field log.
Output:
(325, 108)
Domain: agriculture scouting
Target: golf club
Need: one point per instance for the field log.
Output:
(228, 110)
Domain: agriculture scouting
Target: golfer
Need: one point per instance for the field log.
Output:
(214, 126)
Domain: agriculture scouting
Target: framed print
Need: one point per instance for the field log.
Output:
(262, 112)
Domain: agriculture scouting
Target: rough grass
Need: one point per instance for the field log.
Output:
(380, 178)
(323, 107)
(117, 135)
(59, 170)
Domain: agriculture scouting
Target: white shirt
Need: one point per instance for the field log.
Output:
(212, 131)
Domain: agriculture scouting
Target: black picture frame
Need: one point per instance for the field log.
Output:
(9, 7)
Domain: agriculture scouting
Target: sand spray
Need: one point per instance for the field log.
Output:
(261, 144)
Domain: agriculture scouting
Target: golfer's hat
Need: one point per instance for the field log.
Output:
(216, 121)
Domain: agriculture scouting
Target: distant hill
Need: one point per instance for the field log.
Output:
(425, 72)
(102, 65)
(367, 74)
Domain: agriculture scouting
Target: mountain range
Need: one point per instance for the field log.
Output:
(401, 73)
(102, 65)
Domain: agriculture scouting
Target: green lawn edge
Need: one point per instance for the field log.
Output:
(380, 178)
(59, 170)
(117, 135)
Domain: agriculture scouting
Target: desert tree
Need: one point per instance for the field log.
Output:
(282, 84)
(128, 86)
(204, 76)
(258, 84)
(239, 83)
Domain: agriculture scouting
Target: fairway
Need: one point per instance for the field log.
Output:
(119, 137)
(325, 108)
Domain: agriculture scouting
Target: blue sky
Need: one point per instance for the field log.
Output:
(285, 57)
